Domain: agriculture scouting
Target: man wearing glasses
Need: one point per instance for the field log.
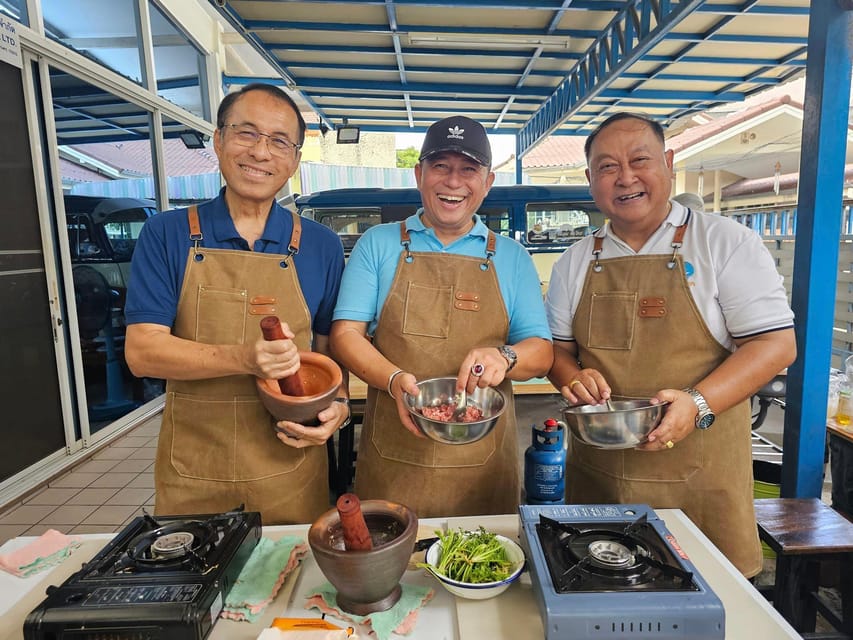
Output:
(201, 280)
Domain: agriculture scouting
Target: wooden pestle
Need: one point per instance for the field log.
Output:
(356, 535)
(291, 385)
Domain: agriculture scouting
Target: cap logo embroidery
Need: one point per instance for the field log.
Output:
(456, 132)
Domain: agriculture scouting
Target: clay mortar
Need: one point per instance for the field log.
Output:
(366, 581)
(321, 378)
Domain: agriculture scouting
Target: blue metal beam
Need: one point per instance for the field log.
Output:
(583, 34)
(466, 89)
(577, 5)
(816, 251)
(370, 27)
(457, 52)
(672, 96)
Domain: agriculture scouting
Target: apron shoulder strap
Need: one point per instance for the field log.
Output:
(195, 226)
(491, 242)
(296, 234)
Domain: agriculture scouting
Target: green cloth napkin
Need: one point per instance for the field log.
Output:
(383, 623)
(40, 564)
(261, 577)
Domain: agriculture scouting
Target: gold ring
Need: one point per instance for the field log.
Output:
(573, 383)
(670, 444)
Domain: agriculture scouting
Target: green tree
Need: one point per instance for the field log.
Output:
(407, 158)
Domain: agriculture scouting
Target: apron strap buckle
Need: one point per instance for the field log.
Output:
(675, 247)
(596, 266)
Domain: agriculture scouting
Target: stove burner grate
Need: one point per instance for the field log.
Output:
(182, 544)
(610, 557)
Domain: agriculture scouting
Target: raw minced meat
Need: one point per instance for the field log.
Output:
(444, 413)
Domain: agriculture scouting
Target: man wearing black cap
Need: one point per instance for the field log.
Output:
(438, 295)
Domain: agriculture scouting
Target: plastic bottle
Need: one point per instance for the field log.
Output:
(356, 534)
(545, 464)
(844, 413)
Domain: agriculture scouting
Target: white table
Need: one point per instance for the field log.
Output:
(512, 615)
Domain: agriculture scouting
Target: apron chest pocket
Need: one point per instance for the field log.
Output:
(611, 320)
(220, 314)
(427, 310)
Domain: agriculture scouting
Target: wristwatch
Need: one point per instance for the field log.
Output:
(510, 355)
(705, 418)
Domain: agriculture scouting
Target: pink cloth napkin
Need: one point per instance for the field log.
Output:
(49, 549)
(399, 619)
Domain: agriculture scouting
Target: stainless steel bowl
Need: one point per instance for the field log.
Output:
(438, 391)
(628, 425)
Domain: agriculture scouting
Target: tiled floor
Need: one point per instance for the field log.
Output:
(100, 495)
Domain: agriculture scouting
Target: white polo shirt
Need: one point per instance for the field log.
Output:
(732, 276)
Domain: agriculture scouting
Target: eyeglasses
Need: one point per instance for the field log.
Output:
(248, 137)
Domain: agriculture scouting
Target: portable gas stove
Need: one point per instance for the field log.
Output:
(602, 571)
(158, 579)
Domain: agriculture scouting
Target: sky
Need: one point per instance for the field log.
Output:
(503, 146)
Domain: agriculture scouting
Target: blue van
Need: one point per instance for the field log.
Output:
(544, 218)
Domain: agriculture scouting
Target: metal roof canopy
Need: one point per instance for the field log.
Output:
(86, 114)
(526, 67)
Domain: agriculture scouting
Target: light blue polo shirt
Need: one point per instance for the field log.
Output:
(372, 266)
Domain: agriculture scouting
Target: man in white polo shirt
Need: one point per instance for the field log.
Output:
(673, 304)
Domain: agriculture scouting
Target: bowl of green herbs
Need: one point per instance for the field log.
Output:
(474, 564)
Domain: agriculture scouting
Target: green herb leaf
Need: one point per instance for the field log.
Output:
(474, 557)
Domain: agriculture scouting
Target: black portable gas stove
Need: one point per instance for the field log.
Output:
(158, 579)
(602, 571)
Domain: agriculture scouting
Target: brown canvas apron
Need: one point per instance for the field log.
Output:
(217, 447)
(638, 324)
(438, 308)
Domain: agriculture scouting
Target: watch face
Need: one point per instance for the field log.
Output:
(705, 421)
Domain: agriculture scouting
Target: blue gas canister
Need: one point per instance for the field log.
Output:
(545, 464)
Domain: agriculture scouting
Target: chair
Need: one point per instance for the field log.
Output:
(805, 532)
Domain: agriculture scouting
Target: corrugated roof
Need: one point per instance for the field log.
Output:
(525, 67)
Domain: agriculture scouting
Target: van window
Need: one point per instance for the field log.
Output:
(496, 219)
(349, 224)
(556, 222)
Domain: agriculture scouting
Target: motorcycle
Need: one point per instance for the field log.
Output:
(771, 393)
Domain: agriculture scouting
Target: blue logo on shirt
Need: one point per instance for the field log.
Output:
(688, 269)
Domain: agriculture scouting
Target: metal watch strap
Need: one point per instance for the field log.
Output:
(704, 417)
(509, 355)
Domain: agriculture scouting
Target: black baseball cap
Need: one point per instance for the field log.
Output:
(459, 135)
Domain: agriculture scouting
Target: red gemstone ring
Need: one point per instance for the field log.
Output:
(477, 369)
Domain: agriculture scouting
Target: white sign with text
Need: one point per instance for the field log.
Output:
(10, 43)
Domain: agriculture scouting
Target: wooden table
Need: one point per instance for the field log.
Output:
(513, 615)
(804, 532)
(841, 467)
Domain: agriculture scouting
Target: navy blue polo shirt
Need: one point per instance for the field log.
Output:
(160, 257)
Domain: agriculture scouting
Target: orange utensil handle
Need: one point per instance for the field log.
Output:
(356, 535)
